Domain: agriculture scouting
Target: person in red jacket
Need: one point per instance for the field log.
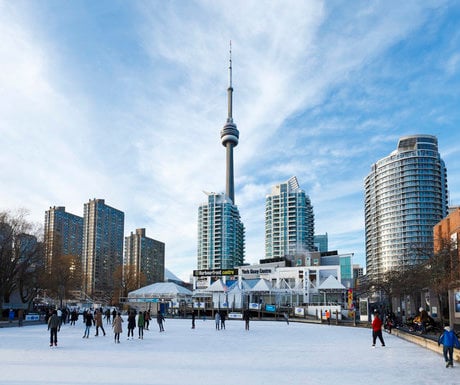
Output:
(377, 329)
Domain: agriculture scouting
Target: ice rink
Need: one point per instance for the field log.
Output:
(271, 352)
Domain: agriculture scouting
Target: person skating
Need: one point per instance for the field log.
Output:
(246, 318)
(89, 321)
(146, 320)
(131, 324)
(140, 325)
(286, 317)
(217, 319)
(193, 319)
(54, 326)
(222, 319)
(377, 329)
(449, 340)
(160, 320)
(99, 322)
(117, 328)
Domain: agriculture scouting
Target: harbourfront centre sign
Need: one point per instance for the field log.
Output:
(229, 272)
(214, 272)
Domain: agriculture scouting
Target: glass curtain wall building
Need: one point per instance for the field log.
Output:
(220, 234)
(103, 234)
(405, 196)
(63, 234)
(144, 258)
(289, 221)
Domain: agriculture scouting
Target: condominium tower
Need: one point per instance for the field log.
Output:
(63, 234)
(220, 230)
(289, 221)
(144, 258)
(405, 196)
(103, 228)
(220, 234)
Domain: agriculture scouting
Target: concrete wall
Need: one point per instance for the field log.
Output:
(425, 342)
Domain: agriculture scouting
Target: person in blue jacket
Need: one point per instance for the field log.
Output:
(449, 340)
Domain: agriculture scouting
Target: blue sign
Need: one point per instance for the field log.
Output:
(271, 308)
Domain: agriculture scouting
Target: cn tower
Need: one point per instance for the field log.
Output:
(229, 136)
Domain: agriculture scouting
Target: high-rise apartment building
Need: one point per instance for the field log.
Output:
(144, 258)
(220, 229)
(405, 196)
(220, 234)
(103, 233)
(63, 234)
(289, 221)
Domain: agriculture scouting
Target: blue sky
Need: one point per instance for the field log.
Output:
(125, 100)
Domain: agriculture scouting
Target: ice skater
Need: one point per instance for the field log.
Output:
(160, 320)
(246, 317)
(98, 321)
(377, 330)
(117, 328)
(53, 326)
(140, 325)
(131, 324)
(217, 319)
(89, 320)
(449, 340)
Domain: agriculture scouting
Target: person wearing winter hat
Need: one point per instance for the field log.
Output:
(449, 340)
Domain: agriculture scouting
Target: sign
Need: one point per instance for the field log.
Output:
(32, 317)
(215, 272)
(270, 308)
(299, 311)
(151, 300)
(256, 271)
(234, 315)
(254, 306)
(350, 298)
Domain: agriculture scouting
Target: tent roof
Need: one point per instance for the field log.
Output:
(331, 283)
(217, 286)
(159, 289)
(262, 285)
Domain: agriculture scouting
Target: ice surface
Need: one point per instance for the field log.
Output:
(271, 352)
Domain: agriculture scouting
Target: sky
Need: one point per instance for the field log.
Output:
(269, 353)
(125, 101)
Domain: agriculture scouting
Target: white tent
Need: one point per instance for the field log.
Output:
(331, 284)
(161, 290)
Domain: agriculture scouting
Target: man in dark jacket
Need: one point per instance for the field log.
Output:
(53, 326)
(160, 320)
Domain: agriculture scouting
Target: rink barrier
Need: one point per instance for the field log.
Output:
(424, 342)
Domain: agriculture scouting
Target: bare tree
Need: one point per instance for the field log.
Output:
(21, 257)
(127, 279)
(64, 276)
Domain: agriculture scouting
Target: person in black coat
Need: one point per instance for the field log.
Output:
(89, 321)
(246, 317)
(131, 324)
(160, 320)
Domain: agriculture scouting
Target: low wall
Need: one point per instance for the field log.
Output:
(425, 342)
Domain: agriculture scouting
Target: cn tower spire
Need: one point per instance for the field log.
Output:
(229, 137)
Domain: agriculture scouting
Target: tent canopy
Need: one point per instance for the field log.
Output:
(160, 290)
(331, 284)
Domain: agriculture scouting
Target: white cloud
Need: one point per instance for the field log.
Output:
(310, 100)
